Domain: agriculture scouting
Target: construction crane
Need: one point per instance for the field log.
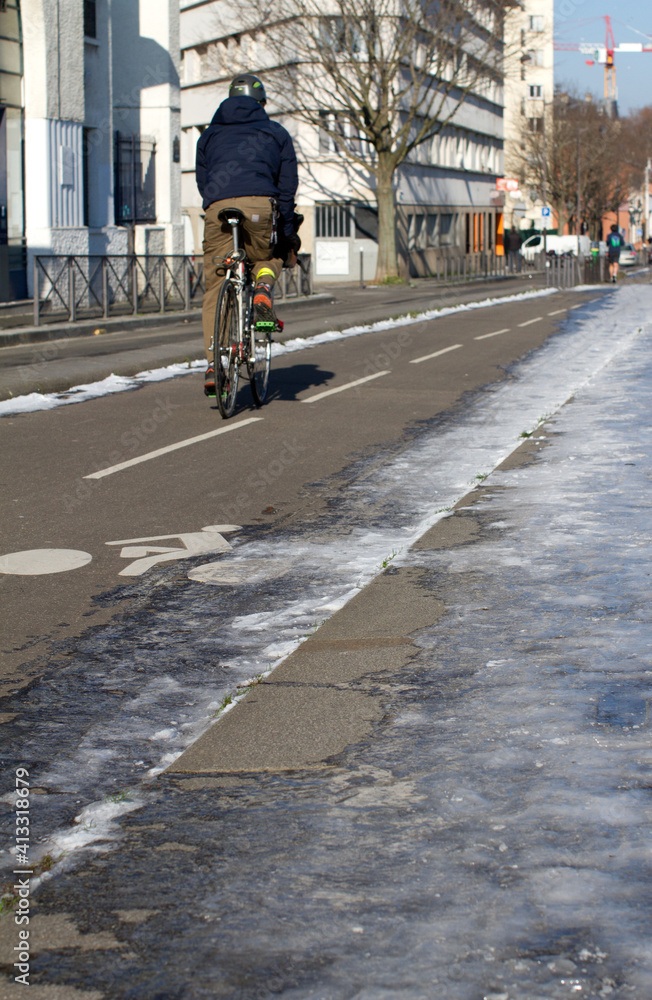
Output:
(604, 54)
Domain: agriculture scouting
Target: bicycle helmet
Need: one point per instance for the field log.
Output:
(248, 85)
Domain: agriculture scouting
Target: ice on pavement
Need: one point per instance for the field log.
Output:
(557, 585)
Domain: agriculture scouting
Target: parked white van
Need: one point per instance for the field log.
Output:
(555, 244)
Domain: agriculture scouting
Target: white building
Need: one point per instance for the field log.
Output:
(446, 193)
(529, 92)
(101, 120)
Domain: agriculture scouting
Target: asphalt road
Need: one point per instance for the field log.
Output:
(130, 346)
(270, 467)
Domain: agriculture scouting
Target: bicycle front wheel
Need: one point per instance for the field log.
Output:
(226, 345)
(259, 365)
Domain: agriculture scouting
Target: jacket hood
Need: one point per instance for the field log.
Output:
(239, 111)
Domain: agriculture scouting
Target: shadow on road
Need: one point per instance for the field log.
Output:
(285, 383)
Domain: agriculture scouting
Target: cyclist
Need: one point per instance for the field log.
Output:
(246, 161)
(614, 243)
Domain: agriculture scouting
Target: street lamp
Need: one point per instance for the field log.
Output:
(648, 167)
(635, 213)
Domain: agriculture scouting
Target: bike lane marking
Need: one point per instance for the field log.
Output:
(485, 336)
(341, 388)
(436, 354)
(43, 562)
(171, 447)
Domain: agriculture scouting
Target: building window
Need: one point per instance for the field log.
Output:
(416, 232)
(332, 221)
(535, 57)
(432, 231)
(446, 230)
(350, 136)
(536, 22)
(90, 21)
(135, 180)
(535, 125)
(366, 223)
(535, 90)
(86, 175)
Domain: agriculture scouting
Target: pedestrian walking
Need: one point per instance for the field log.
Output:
(614, 244)
(513, 244)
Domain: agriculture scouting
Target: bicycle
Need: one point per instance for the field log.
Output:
(237, 340)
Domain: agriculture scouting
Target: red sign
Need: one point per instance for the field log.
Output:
(506, 184)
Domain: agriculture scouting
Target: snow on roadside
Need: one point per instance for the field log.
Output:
(33, 401)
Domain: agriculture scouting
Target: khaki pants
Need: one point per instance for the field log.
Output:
(218, 241)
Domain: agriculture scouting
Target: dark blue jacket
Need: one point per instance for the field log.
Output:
(243, 154)
(614, 242)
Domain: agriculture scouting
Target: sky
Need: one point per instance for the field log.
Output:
(583, 21)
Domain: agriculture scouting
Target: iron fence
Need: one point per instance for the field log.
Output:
(98, 286)
(69, 288)
(452, 266)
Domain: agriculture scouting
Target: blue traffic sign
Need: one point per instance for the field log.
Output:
(545, 212)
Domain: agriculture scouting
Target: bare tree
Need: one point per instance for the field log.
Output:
(578, 151)
(382, 78)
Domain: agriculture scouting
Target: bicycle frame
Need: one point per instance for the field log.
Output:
(238, 272)
(243, 346)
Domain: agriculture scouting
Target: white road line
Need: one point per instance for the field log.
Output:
(171, 447)
(497, 333)
(529, 322)
(578, 306)
(557, 312)
(341, 388)
(437, 354)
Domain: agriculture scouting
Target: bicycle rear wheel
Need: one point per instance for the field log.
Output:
(259, 365)
(226, 344)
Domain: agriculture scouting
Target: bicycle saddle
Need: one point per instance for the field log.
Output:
(231, 216)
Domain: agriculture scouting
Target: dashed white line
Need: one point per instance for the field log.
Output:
(496, 333)
(341, 388)
(557, 312)
(529, 322)
(577, 306)
(435, 354)
(171, 447)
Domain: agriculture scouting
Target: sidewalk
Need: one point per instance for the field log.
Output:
(26, 333)
(444, 791)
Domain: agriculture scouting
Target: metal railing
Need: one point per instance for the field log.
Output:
(563, 272)
(70, 288)
(98, 286)
(297, 281)
(569, 271)
(453, 267)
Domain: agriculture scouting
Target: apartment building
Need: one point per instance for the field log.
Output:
(445, 191)
(529, 92)
(90, 91)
